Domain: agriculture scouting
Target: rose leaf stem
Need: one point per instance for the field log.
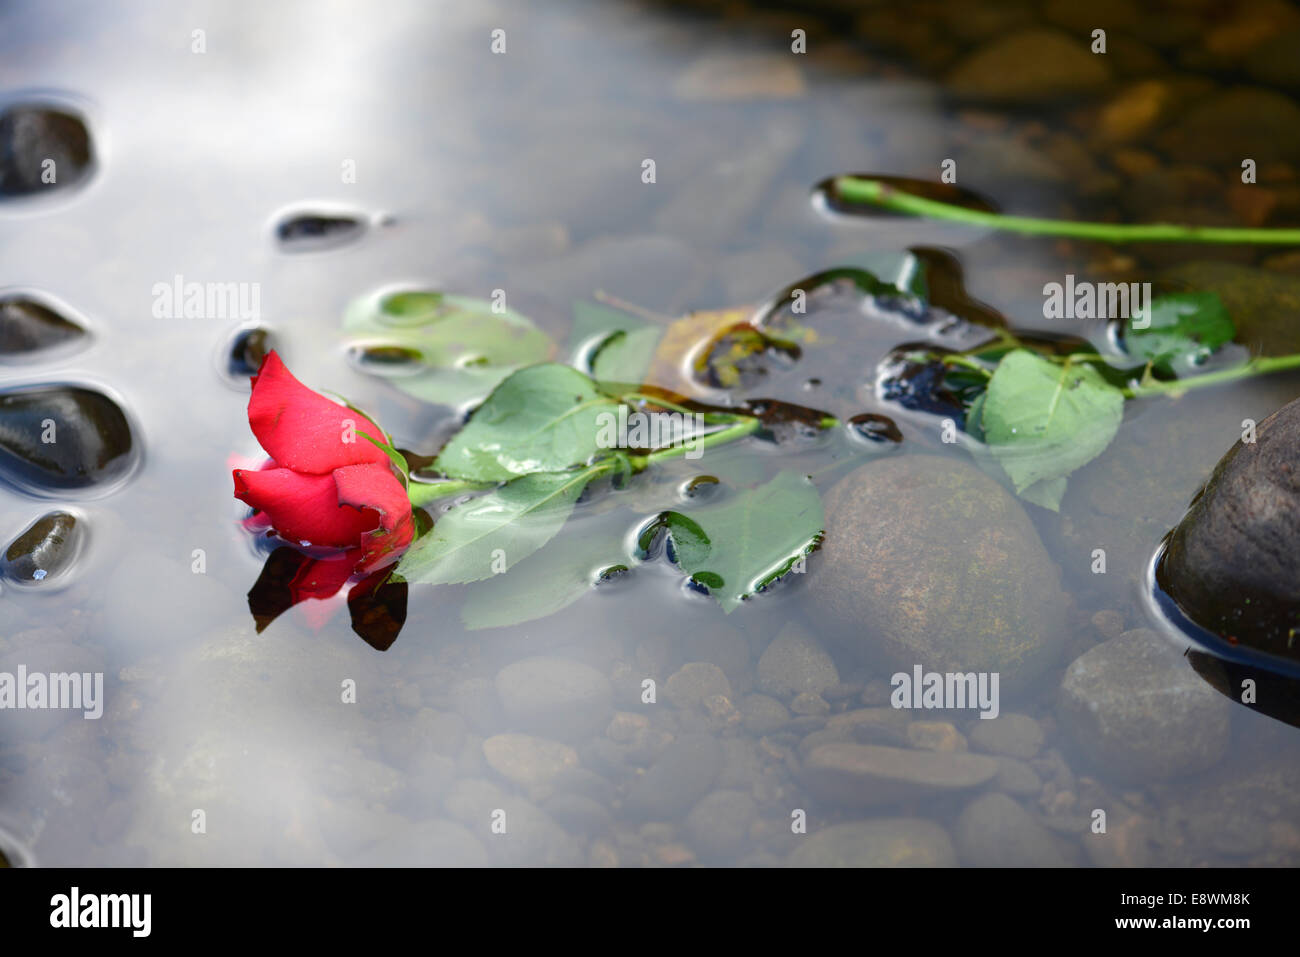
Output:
(875, 193)
(1262, 365)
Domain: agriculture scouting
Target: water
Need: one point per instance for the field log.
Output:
(473, 172)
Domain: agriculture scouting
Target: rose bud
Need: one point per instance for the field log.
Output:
(326, 485)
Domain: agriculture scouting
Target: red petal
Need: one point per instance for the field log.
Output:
(304, 508)
(302, 429)
(376, 488)
(321, 578)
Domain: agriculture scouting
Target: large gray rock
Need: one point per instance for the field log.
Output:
(1139, 712)
(929, 561)
(1233, 562)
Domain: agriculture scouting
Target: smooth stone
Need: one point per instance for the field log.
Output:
(866, 775)
(31, 135)
(1018, 778)
(427, 844)
(1234, 124)
(795, 663)
(1013, 735)
(995, 831)
(718, 826)
(928, 561)
(92, 445)
(1029, 66)
(557, 697)
(1232, 563)
(528, 760)
(28, 326)
(682, 775)
(762, 714)
(45, 550)
(689, 686)
(579, 814)
(314, 232)
(886, 842)
(1262, 302)
(935, 736)
(1137, 710)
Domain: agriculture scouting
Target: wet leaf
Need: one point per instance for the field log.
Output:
(1185, 330)
(1042, 420)
(452, 349)
(742, 545)
(489, 534)
(541, 419)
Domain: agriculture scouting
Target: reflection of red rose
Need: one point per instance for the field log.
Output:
(326, 484)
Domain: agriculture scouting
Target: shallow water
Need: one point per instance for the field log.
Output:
(522, 172)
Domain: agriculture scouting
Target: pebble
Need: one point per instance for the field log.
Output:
(92, 441)
(867, 775)
(762, 714)
(528, 760)
(884, 842)
(45, 551)
(795, 663)
(28, 326)
(935, 736)
(693, 683)
(1029, 66)
(682, 775)
(718, 826)
(1134, 706)
(1013, 735)
(995, 831)
(31, 135)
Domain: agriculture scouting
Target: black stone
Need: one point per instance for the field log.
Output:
(45, 550)
(92, 441)
(310, 232)
(1232, 564)
(30, 135)
(28, 326)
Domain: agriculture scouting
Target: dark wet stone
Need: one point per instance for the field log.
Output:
(28, 326)
(312, 232)
(63, 437)
(247, 350)
(45, 550)
(1233, 563)
(30, 135)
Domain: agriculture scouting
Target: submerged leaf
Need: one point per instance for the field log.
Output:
(489, 534)
(1042, 420)
(452, 349)
(1185, 329)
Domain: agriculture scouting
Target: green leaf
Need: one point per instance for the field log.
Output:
(625, 356)
(541, 419)
(740, 546)
(1042, 420)
(444, 349)
(489, 534)
(552, 579)
(1185, 329)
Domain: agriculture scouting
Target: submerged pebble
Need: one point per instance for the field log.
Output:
(869, 775)
(1138, 711)
(28, 326)
(62, 437)
(46, 550)
(42, 148)
(885, 842)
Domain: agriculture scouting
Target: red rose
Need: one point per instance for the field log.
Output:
(326, 484)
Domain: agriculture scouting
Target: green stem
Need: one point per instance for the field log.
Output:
(1259, 366)
(747, 426)
(873, 192)
(422, 493)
